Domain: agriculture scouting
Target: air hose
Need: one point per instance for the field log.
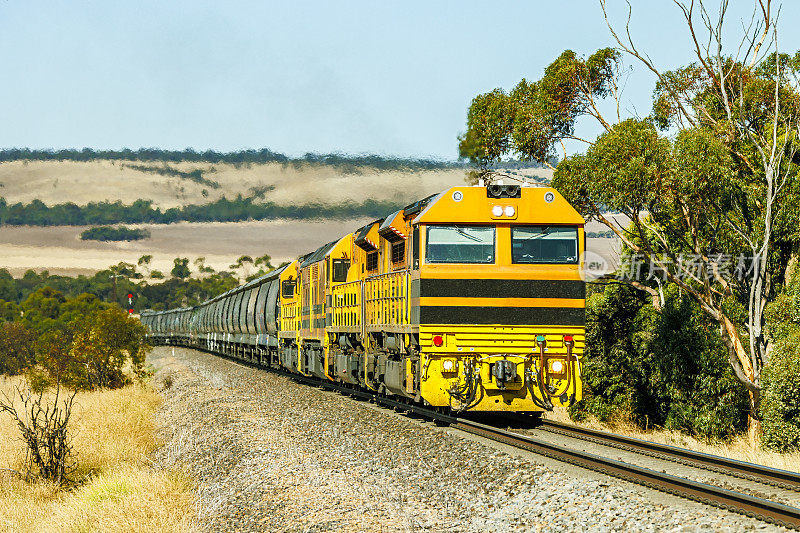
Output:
(466, 394)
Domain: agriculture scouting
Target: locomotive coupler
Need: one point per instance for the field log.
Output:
(504, 371)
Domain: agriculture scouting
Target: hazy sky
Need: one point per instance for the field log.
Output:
(373, 76)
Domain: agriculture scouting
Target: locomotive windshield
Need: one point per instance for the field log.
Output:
(544, 244)
(460, 244)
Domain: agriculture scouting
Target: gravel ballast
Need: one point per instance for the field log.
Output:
(269, 454)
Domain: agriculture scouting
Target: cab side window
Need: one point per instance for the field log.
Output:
(340, 269)
(287, 288)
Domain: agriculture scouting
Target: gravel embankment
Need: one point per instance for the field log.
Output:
(273, 455)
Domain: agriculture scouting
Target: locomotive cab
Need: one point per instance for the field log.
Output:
(498, 299)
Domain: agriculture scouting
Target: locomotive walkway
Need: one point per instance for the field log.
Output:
(269, 454)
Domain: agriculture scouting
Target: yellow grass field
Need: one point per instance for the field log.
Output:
(114, 435)
(60, 250)
(55, 182)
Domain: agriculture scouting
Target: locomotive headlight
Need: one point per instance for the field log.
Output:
(497, 211)
(558, 366)
(448, 365)
(510, 211)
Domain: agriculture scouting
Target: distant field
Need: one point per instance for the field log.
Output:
(61, 251)
(55, 182)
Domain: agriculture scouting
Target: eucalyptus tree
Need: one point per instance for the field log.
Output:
(708, 180)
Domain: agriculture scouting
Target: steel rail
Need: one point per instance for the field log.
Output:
(759, 508)
(723, 465)
(768, 511)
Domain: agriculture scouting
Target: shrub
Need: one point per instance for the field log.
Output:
(663, 367)
(780, 379)
(101, 347)
(16, 348)
(43, 424)
(9, 311)
(181, 268)
(109, 233)
(780, 397)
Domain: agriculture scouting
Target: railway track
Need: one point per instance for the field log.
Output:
(710, 494)
(760, 508)
(723, 465)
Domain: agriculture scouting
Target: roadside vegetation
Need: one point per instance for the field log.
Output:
(77, 422)
(696, 331)
(115, 486)
(110, 233)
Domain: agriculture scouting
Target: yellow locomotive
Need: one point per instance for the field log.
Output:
(471, 299)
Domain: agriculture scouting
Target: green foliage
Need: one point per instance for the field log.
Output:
(36, 213)
(537, 115)
(195, 175)
(42, 308)
(780, 381)
(181, 268)
(489, 122)
(16, 348)
(780, 400)
(625, 170)
(109, 233)
(663, 368)
(100, 348)
(9, 311)
(264, 265)
(241, 262)
(242, 157)
(8, 289)
(783, 313)
(79, 342)
(69, 330)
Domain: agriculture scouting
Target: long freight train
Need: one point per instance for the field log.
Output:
(471, 299)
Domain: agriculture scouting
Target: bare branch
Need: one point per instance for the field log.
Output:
(630, 48)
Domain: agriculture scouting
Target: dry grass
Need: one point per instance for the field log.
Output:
(738, 448)
(82, 182)
(114, 434)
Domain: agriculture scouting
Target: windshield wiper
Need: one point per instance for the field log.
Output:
(467, 235)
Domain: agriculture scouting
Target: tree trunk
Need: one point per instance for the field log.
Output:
(753, 425)
(745, 372)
